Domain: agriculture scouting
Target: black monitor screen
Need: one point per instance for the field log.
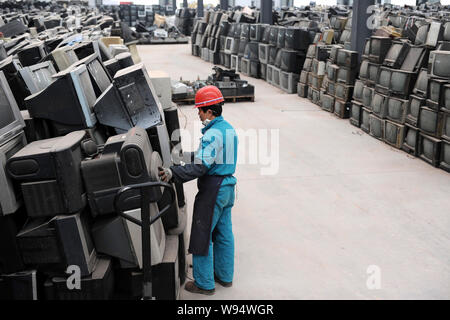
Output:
(441, 64)
(7, 115)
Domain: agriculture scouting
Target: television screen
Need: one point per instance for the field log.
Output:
(373, 72)
(435, 88)
(413, 59)
(446, 106)
(358, 90)
(364, 70)
(11, 121)
(242, 45)
(273, 39)
(396, 54)
(291, 61)
(421, 35)
(367, 96)
(401, 82)
(429, 148)
(281, 37)
(347, 58)
(441, 64)
(376, 127)
(428, 120)
(414, 108)
(379, 47)
(297, 38)
(245, 30)
(263, 52)
(31, 54)
(379, 104)
(421, 83)
(266, 34)
(446, 126)
(251, 51)
(384, 78)
(396, 109)
(307, 64)
(366, 51)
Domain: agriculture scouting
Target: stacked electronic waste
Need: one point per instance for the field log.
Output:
(275, 53)
(401, 96)
(80, 120)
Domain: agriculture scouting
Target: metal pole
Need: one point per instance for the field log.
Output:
(266, 11)
(224, 4)
(185, 4)
(174, 5)
(360, 30)
(200, 12)
(146, 244)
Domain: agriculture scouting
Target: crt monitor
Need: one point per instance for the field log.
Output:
(379, 47)
(263, 52)
(297, 38)
(291, 61)
(428, 121)
(266, 34)
(421, 83)
(281, 37)
(63, 57)
(364, 70)
(273, 54)
(396, 54)
(440, 64)
(99, 76)
(435, 34)
(51, 167)
(37, 77)
(242, 45)
(421, 35)
(139, 96)
(384, 78)
(273, 37)
(358, 90)
(251, 51)
(67, 102)
(11, 121)
(401, 82)
(396, 109)
(32, 53)
(58, 242)
(414, 59)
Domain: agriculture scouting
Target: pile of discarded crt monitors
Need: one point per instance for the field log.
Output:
(233, 88)
(83, 129)
(159, 29)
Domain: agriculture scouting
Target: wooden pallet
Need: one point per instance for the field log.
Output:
(232, 99)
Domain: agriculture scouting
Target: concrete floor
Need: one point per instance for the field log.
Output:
(342, 201)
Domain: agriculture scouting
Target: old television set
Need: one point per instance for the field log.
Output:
(345, 36)
(346, 75)
(38, 76)
(356, 113)
(263, 52)
(327, 101)
(257, 31)
(446, 106)
(63, 57)
(273, 37)
(445, 156)
(377, 125)
(358, 91)
(99, 76)
(131, 101)
(440, 64)
(364, 70)
(402, 82)
(235, 46)
(435, 34)
(366, 49)
(429, 149)
(396, 109)
(288, 81)
(413, 109)
(228, 44)
(245, 30)
(276, 76)
(328, 36)
(32, 53)
(296, 39)
(281, 37)
(122, 239)
(291, 61)
(446, 126)
(311, 52)
(242, 45)
(58, 242)
(347, 58)
(39, 170)
(373, 72)
(67, 102)
(251, 51)
(435, 93)
(411, 139)
(421, 85)
(396, 54)
(430, 122)
(367, 96)
(266, 35)
(379, 105)
(365, 120)
(379, 46)
(422, 34)
(332, 71)
(414, 59)
(394, 133)
(384, 80)
(12, 139)
(307, 64)
(343, 92)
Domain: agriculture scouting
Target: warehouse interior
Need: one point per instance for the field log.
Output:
(342, 111)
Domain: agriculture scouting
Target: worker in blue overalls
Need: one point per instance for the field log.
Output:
(214, 163)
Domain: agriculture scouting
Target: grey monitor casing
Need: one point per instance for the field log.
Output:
(34, 81)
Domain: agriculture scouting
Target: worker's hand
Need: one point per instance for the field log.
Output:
(165, 174)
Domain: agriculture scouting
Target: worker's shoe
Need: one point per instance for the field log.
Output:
(223, 283)
(191, 287)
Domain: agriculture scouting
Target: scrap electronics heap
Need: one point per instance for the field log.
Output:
(398, 91)
(231, 85)
(80, 119)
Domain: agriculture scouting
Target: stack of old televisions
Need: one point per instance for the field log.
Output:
(399, 97)
(311, 82)
(80, 113)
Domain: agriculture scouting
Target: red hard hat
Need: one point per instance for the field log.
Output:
(208, 96)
